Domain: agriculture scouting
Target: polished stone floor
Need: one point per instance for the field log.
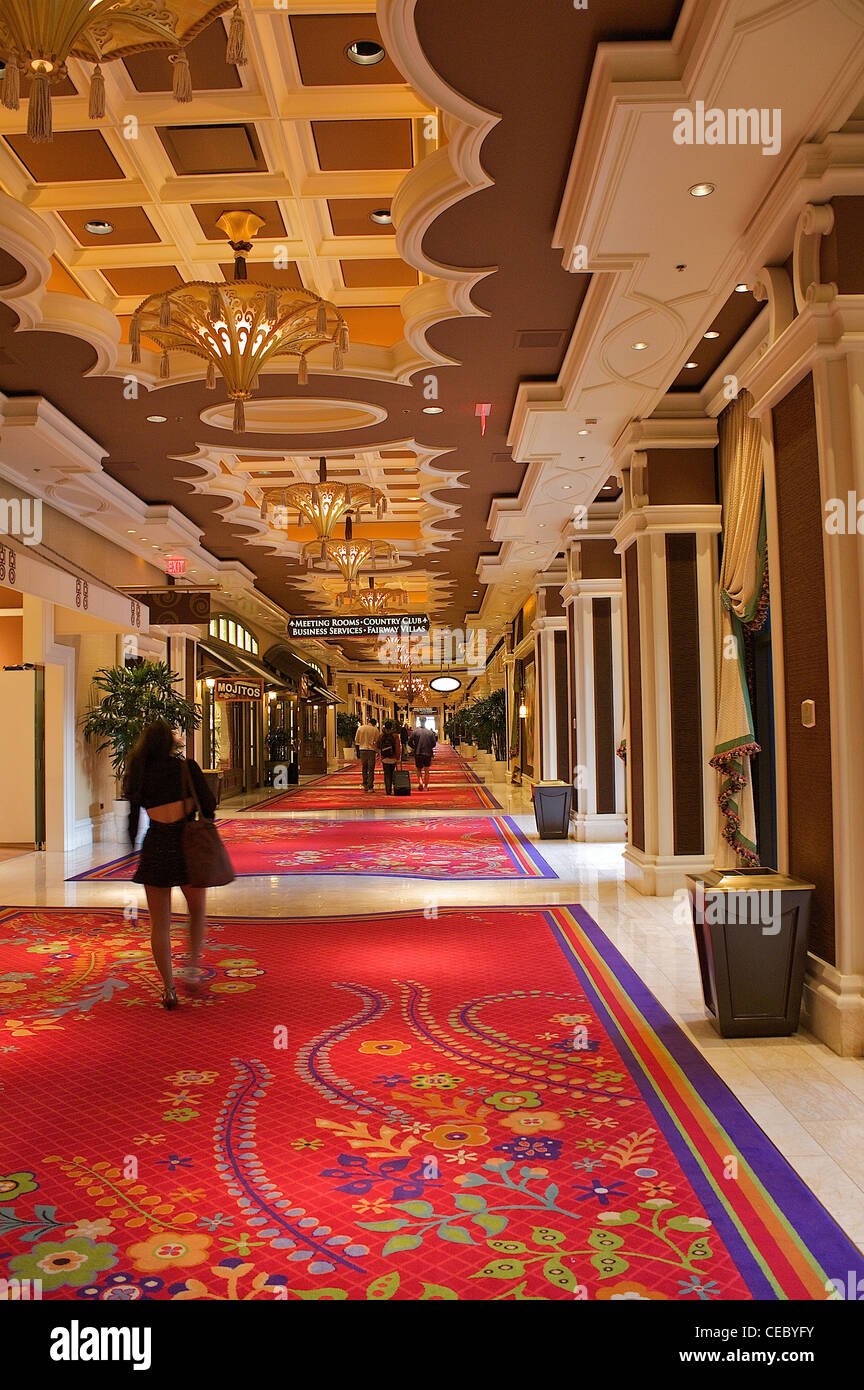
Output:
(809, 1101)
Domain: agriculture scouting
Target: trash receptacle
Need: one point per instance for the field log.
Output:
(213, 778)
(552, 802)
(751, 928)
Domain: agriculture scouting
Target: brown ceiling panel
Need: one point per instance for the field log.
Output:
(320, 41)
(154, 72)
(734, 318)
(359, 275)
(11, 271)
(372, 144)
(213, 149)
(143, 280)
(208, 215)
(350, 217)
(73, 156)
(265, 273)
(132, 226)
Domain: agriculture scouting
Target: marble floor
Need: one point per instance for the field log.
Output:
(807, 1100)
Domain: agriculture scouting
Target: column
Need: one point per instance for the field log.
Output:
(808, 388)
(667, 538)
(551, 722)
(593, 600)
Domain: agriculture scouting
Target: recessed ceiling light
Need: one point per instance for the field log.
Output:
(131, 533)
(157, 419)
(581, 431)
(639, 347)
(690, 365)
(381, 215)
(568, 487)
(712, 333)
(98, 227)
(741, 289)
(701, 190)
(365, 52)
(433, 410)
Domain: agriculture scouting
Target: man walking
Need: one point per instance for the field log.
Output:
(422, 743)
(366, 740)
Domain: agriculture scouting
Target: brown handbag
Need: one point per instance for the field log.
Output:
(208, 864)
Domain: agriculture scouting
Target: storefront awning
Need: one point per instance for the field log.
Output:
(241, 663)
(329, 696)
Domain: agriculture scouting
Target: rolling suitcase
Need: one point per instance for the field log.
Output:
(401, 782)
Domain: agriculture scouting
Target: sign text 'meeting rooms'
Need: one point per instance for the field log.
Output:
(335, 627)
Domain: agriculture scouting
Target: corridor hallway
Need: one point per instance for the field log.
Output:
(440, 1087)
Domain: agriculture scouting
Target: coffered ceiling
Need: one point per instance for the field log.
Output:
(467, 131)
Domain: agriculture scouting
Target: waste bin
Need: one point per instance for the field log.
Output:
(213, 778)
(751, 928)
(552, 802)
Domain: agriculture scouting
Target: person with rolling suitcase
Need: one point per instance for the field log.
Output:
(390, 748)
(401, 778)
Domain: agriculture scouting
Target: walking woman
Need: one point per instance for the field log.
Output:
(158, 779)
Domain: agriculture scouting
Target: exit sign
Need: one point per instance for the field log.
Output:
(175, 564)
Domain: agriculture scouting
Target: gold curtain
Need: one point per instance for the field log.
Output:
(743, 604)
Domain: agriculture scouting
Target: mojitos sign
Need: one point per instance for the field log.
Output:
(227, 688)
(335, 628)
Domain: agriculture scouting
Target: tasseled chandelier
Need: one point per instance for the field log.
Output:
(349, 555)
(372, 600)
(238, 326)
(37, 38)
(323, 504)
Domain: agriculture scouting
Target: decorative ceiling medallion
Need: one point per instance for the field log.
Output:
(295, 416)
(37, 37)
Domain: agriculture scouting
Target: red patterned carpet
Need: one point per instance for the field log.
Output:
(457, 848)
(328, 795)
(377, 1107)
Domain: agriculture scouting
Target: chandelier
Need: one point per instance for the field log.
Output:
(37, 38)
(239, 326)
(323, 503)
(372, 600)
(349, 555)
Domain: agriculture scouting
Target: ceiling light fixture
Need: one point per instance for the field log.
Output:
(581, 431)
(690, 365)
(433, 410)
(349, 555)
(322, 504)
(38, 37)
(445, 683)
(701, 190)
(99, 228)
(712, 333)
(157, 419)
(382, 216)
(365, 52)
(741, 289)
(238, 327)
(639, 347)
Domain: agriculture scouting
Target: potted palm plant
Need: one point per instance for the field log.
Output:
(346, 727)
(132, 697)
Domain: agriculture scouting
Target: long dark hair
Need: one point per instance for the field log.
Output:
(155, 741)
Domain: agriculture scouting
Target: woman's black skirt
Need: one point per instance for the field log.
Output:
(161, 863)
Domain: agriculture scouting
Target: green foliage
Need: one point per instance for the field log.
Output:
(279, 745)
(346, 726)
(483, 722)
(132, 697)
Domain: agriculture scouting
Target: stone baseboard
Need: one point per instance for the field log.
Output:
(660, 876)
(833, 1007)
(599, 829)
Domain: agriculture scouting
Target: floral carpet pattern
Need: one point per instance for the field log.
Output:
(377, 1107)
(328, 795)
(475, 847)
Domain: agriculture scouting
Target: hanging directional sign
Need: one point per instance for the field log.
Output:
(335, 628)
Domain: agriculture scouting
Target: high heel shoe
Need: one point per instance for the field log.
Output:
(169, 998)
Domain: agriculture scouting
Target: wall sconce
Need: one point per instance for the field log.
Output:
(523, 710)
